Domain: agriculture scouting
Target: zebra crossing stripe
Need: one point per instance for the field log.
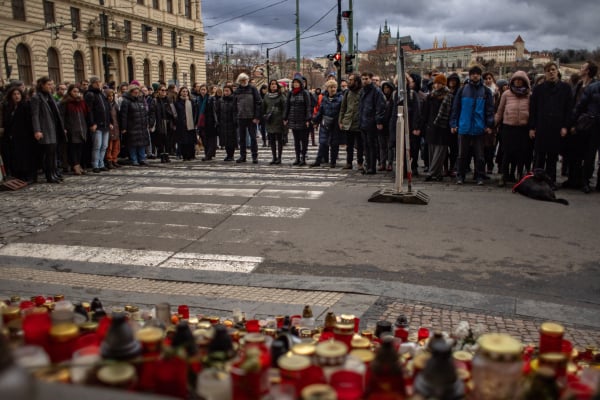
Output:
(206, 208)
(146, 258)
(232, 192)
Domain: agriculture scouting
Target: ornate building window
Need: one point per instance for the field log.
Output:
(161, 71)
(79, 67)
(49, 12)
(18, 10)
(192, 74)
(147, 72)
(53, 65)
(24, 64)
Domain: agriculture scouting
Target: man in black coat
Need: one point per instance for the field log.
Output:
(550, 109)
(371, 110)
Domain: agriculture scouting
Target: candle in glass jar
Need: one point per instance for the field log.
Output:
(551, 336)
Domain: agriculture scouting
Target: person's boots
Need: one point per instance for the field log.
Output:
(51, 178)
(297, 162)
(302, 160)
(317, 163)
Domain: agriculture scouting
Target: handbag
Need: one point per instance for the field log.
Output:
(585, 122)
(328, 122)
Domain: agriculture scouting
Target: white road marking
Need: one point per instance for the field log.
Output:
(148, 258)
(232, 192)
(207, 208)
(138, 228)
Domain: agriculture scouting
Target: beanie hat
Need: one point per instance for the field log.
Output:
(155, 86)
(441, 79)
(501, 82)
(134, 83)
(475, 70)
(298, 77)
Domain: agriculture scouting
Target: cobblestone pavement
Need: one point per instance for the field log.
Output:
(443, 318)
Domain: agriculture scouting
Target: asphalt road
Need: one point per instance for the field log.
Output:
(263, 226)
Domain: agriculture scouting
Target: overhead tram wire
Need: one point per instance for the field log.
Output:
(280, 42)
(246, 14)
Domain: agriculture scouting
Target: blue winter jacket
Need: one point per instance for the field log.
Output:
(472, 109)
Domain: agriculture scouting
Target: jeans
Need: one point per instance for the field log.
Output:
(100, 144)
(137, 154)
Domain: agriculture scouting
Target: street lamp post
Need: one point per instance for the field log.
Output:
(104, 30)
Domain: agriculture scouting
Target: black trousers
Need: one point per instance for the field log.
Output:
(300, 142)
(547, 161)
(246, 125)
(354, 138)
(464, 144)
(49, 159)
(371, 148)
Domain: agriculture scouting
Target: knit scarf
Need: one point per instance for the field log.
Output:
(189, 115)
(519, 91)
(296, 90)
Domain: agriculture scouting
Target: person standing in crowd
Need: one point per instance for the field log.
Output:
(18, 136)
(209, 129)
(589, 106)
(134, 125)
(123, 88)
(247, 106)
(472, 118)
(349, 122)
(163, 111)
(384, 135)
(227, 122)
(185, 126)
(47, 125)
(436, 114)
(297, 117)
(100, 120)
(329, 132)
(60, 92)
(414, 120)
(77, 119)
(513, 115)
(579, 141)
(550, 111)
(261, 125)
(489, 141)
(114, 133)
(453, 83)
(371, 111)
(200, 100)
(217, 98)
(273, 107)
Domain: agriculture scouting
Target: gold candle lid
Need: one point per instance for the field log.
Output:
(347, 319)
(331, 348)
(366, 356)
(553, 358)
(15, 299)
(149, 334)
(11, 311)
(500, 346)
(304, 349)
(64, 332)
(40, 310)
(293, 362)
(59, 297)
(88, 326)
(360, 342)
(318, 391)
(463, 356)
(552, 329)
(116, 374)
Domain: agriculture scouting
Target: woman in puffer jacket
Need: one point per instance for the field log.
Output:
(513, 114)
(329, 131)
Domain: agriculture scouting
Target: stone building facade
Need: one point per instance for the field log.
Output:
(120, 40)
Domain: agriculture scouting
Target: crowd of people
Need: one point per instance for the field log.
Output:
(455, 126)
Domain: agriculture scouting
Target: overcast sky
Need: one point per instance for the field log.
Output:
(543, 24)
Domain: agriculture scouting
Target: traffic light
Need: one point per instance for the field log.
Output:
(349, 66)
(346, 14)
(337, 57)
